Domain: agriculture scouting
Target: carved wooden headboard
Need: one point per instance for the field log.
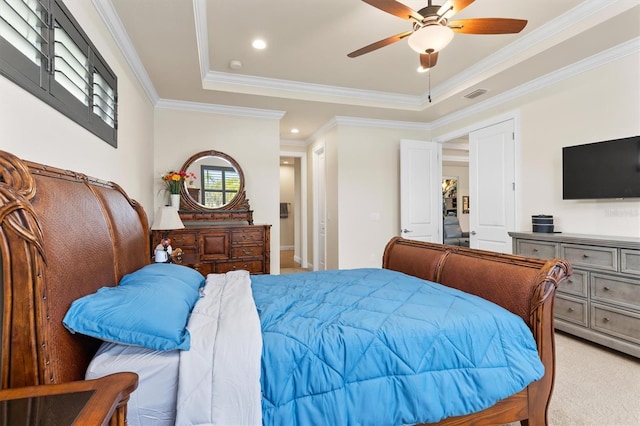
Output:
(62, 235)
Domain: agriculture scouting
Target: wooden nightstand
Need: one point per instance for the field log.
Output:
(100, 401)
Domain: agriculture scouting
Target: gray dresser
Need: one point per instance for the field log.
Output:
(601, 300)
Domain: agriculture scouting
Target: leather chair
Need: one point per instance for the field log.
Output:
(452, 233)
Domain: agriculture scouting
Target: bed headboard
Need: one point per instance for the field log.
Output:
(63, 235)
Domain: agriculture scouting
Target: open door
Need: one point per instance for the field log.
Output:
(492, 187)
(420, 191)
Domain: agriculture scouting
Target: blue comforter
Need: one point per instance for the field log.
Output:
(378, 347)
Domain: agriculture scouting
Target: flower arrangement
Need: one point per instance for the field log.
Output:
(173, 180)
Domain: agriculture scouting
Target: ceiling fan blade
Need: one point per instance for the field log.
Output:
(395, 8)
(428, 60)
(451, 7)
(378, 44)
(487, 26)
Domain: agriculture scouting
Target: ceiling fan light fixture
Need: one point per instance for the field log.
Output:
(430, 38)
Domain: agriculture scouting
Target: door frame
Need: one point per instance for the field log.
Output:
(304, 252)
(465, 131)
(316, 152)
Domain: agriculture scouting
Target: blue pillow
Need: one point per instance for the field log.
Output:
(148, 309)
(185, 274)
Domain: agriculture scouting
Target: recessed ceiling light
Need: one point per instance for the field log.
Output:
(294, 130)
(259, 44)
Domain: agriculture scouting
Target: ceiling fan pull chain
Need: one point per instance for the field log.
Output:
(429, 72)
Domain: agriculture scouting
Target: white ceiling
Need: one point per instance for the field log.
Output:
(185, 48)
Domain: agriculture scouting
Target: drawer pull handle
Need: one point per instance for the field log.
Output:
(247, 251)
(570, 309)
(234, 267)
(535, 250)
(606, 288)
(569, 281)
(584, 256)
(605, 319)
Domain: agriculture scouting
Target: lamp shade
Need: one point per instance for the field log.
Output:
(430, 38)
(166, 218)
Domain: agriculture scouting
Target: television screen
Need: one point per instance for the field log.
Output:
(609, 169)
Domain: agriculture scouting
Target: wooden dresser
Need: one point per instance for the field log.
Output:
(221, 248)
(601, 300)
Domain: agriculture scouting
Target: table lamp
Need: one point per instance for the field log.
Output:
(166, 219)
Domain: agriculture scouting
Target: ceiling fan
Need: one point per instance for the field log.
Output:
(433, 30)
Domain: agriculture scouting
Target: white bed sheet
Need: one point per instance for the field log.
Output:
(153, 403)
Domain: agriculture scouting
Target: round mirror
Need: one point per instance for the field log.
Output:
(219, 182)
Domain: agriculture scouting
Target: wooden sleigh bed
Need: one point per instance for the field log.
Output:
(64, 235)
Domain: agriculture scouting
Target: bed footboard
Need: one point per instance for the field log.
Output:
(524, 286)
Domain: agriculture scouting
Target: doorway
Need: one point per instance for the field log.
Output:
(293, 212)
(483, 156)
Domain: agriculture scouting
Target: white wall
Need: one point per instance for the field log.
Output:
(368, 200)
(598, 104)
(32, 130)
(252, 142)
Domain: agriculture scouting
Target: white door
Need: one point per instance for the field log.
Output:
(320, 211)
(492, 187)
(420, 191)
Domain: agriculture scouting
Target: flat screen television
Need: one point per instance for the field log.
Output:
(609, 169)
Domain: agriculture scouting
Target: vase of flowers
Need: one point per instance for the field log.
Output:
(175, 180)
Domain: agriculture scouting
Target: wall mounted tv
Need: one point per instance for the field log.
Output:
(609, 169)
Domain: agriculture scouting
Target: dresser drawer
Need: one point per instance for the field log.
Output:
(538, 249)
(630, 261)
(247, 251)
(572, 310)
(616, 322)
(247, 235)
(253, 266)
(604, 258)
(614, 289)
(182, 239)
(577, 284)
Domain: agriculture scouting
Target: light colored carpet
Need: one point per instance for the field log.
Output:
(594, 386)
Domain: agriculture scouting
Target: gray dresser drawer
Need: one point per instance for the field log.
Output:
(621, 291)
(572, 310)
(538, 249)
(630, 261)
(616, 322)
(576, 284)
(605, 258)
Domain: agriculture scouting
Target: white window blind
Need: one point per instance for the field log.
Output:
(23, 26)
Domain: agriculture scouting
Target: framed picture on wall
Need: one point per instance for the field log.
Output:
(465, 204)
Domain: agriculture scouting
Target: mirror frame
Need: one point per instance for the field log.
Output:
(237, 203)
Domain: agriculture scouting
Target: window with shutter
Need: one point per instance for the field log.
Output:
(44, 50)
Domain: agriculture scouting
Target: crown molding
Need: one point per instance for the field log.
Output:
(202, 35)
(387, 124)
(264, 86)
(113, 23)
(602, 58)
(268, 114)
